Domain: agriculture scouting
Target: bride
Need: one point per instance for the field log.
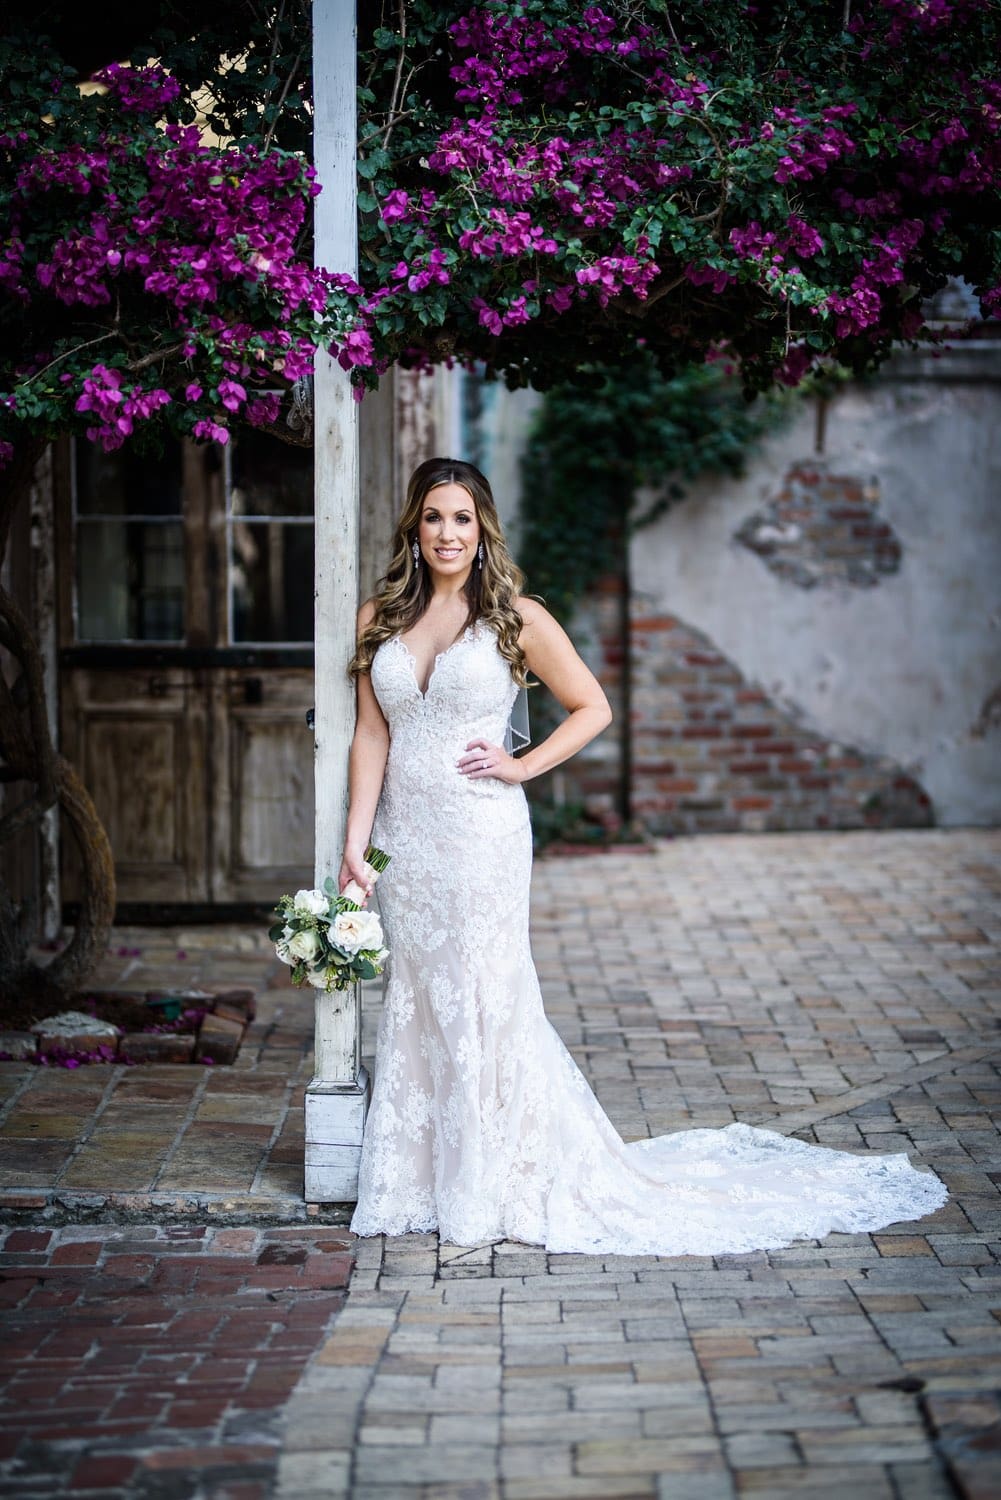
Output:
(481, 1125)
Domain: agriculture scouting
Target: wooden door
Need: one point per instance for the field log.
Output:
(138, 738)
(186, 665)
(262, 840)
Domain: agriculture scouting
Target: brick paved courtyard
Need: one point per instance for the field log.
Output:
(842, 987)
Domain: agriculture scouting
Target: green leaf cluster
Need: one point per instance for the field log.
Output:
(770, 72)
(614, 451)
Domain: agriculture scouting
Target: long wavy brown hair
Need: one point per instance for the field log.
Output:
(402, 596)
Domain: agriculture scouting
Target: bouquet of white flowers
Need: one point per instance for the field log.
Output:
(327, 940)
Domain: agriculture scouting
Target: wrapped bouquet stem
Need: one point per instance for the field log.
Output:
(326, 938)
(375, 862)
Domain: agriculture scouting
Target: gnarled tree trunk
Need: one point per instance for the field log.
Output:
(27, 755)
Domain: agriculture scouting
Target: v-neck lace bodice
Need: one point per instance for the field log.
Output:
(434, 664)
(469, 695)
(481, 1125)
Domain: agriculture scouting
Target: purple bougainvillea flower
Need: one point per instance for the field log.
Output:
(569, 164)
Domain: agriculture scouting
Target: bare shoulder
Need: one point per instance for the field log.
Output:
(534, 615)
(547, 647)
(366, 615)
(552, 656)
(538, 626)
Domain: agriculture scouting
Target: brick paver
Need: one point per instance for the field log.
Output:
(183, 1138)
(842, 987)
(155, 1360)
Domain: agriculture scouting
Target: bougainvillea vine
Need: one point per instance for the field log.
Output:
(542, 185)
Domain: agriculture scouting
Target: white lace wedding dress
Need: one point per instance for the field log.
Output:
(481, 1125)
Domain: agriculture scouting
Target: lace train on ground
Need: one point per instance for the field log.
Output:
(482, 1126)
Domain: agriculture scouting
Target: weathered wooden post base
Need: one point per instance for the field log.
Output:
(336, 1100)
(335, 1120)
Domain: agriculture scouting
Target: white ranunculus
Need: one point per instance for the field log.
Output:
(314, 902)
(304, 945)
(355, 930)
(317, 978)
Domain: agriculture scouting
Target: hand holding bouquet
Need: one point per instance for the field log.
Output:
(327, 940)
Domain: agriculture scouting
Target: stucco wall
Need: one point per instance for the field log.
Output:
(493, 435)
(907, 667)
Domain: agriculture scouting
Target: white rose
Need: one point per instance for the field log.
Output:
(314, 902)
(355, 930)
(304, 945)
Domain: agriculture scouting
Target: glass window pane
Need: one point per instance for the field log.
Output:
(130, 581)
(269, 477)
(127, 483)
(271, 576)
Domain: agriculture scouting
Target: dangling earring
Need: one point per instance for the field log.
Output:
(416, 550)
(479, 554)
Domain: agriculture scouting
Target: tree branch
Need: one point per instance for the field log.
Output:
(14, 745)
(391, 112)
(22, 645)
(399, 114)
(282, 97)
(29, 811)
(374, 54)
(282, 433)
(135, 365)
(66, 354)
(97, 908)
(643, 307)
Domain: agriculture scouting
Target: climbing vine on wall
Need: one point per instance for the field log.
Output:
(614, 452)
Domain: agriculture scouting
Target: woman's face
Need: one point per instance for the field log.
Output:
(448, 530)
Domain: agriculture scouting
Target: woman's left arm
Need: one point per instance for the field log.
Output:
(552, 657)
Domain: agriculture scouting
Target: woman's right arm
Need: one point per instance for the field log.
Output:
(367, 767)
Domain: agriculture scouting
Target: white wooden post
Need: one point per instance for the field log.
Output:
(336, 1099)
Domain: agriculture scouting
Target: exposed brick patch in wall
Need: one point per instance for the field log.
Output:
(597, 631)
(823, 528)
(713, 752)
